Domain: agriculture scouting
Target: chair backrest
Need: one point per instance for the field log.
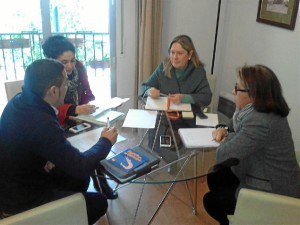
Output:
(258, 207)
(212, 84)
(226, 106)
(12, 88)
(70, 210)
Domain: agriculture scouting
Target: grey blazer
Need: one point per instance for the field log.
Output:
(263, 143)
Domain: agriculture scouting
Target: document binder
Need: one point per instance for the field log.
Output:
(121, 175)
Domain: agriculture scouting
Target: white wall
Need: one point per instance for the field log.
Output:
(126, 59)
(243, 40)
(196, 18)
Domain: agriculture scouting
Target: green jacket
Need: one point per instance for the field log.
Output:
(193, 82)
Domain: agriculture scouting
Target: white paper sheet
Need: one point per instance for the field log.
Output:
(138, 118)
(197, 137)
(211, 121)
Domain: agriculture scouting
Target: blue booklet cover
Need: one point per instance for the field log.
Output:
(128, 160)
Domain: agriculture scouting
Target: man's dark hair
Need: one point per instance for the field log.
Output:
(56, 45)
(42, 74)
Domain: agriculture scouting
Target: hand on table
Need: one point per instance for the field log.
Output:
(219, 135)
(153, 92)
(85, 109)
(175, 98)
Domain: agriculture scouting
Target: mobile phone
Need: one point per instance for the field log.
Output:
(80, 127)
(165, 141)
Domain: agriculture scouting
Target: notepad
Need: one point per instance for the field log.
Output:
(160, 104)
(101, 119)
(197, 137)
(187, 115)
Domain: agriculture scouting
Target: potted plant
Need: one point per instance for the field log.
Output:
(103, 64)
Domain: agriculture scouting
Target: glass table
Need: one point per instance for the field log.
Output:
(178, 166)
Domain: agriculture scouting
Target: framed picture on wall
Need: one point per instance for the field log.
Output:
(281, 13)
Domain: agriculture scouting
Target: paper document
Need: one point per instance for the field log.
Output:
(109, 103)
(101, 119)
(211, 121)
(138, 118)
(160, 104)
(79, 140)
(197, 137)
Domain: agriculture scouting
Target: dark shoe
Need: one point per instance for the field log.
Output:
(105, 188)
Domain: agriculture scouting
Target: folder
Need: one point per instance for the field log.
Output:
(148, 162)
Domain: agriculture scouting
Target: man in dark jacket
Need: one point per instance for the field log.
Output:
(32, 143)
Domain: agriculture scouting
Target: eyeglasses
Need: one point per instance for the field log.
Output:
(236, 89)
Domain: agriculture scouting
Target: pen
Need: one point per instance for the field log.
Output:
(107, 123)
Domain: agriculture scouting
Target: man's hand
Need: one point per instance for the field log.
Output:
(85, 109)
(110, 133)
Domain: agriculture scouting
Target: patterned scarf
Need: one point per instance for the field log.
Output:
(73, 84)
(240, 114)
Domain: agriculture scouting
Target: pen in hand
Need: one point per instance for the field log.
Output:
(107, 123)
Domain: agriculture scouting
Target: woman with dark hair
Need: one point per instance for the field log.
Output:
(79, 93)
(257, 140)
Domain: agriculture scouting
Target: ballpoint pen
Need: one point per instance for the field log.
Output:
(107, 123)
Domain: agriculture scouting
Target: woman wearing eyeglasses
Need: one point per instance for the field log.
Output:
(257, 149)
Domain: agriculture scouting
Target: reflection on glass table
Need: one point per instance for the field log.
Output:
(177, 165)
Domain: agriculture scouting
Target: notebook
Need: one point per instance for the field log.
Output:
(197, 137)
(101, 119)
(160, 104)
(128, 160)
(113, 168)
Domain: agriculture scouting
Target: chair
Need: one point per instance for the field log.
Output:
(258, 207)
(70, 210)
(12, 88)
(212, 84)
(226, 106)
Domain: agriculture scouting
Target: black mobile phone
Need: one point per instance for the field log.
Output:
(165, 141)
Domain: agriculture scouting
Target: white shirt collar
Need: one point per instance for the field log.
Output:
(55, 110)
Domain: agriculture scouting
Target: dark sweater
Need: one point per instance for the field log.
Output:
(30, 135)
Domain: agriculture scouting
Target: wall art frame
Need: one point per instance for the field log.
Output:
(281, 13)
